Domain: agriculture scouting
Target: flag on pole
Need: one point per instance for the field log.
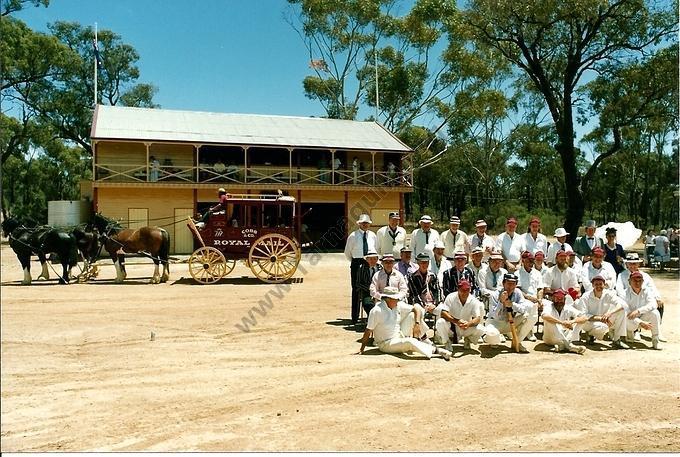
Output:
(96, 54)
(318, 64)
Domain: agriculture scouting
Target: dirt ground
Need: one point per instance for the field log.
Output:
(80, 372)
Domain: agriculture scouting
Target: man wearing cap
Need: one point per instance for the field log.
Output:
(510, 244)
(388, 277)
(423, 286)
(454, 240)
(539, 264)
(559, 245)
(584, 245)
(534, 240)
(575, 264)
(482, 239)
(438, 263)
(461, 313)
(405, 266)
(460, 271)
(560, 324)
(530, 283)
(492, 279)
(391, 238)
(477, 266)
(394, 325)
(642, 309)
(424, 238)
(359, 242)
(606, 313)
(562, 277)
(597, 266)
(367, 271)
(509, 300)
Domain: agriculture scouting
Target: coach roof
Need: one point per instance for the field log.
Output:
(148, 124)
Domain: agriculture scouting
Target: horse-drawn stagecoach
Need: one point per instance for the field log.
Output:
(258, 229)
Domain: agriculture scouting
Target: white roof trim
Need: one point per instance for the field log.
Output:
(147, 124)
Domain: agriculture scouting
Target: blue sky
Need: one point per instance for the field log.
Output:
(235, 56)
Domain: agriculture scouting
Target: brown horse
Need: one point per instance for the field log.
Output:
(153, 242)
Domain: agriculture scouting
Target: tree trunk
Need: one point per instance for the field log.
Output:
(572, 183)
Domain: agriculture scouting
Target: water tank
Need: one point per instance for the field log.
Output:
(62, 213)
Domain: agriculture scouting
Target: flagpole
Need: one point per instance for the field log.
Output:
(95, 65)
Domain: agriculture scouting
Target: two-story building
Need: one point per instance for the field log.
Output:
(157, 167)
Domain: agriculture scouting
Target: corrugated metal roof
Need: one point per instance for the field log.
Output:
(114, 122)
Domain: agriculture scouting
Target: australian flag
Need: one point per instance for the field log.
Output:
(96, 54)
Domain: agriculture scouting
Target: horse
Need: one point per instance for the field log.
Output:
(41, 241)
(87, 242)
(153, 242)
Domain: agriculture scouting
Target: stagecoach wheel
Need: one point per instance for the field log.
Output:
(207, 265)
(274, 258)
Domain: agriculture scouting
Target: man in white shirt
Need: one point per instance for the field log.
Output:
(597, 266)
(476, 265)
(438, 263)
(561, 277)
(482, 240)
(575, 263)
(534, 240)
(539, 264)
(505, 302)
(530, 283)
(492, 279)
(391, 238)
(560, 323)
(359, 242)
(454, 240)
(394, 325)
(642, 312)
(633, 263)
(463, 312)
(423, 238)
(606, 313)
(388, 277)
(510, 244)
(559, 245)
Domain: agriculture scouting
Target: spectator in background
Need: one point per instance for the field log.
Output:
(155, 169)
(355, 170)
(662, 250)
(649, 246)
(613, 252)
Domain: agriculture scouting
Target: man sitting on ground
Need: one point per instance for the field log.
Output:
(394, 325)
(642, 312)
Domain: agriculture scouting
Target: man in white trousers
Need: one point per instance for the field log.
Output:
(642, 309)
(464, 312)
(393, 324)
(606, 313)
(510, 300)
(560, 324)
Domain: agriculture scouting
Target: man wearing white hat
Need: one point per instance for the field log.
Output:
(391, 238)
(424, 238)
(505, 301)
(606, 313)
(642, 309)
(476, 265)
(394, 325)
(367, 272)
(438, 263)
(482, 239)
(454, 240)
(492, 279)
(388, 277)
(359, 242)
(559, 245)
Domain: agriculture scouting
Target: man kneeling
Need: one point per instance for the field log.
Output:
(560, 322)
(394, 323)
(461, 313)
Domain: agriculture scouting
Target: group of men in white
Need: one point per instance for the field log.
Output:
(487, 290)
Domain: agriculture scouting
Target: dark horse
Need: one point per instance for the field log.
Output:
(41, 241)
(153, 242)
(87, 241)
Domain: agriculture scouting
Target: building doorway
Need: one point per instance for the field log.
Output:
(323, 224)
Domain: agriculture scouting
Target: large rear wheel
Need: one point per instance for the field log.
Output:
(274, 258)
(207, 265)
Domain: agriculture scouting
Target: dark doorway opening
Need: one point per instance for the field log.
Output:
(323, 225)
